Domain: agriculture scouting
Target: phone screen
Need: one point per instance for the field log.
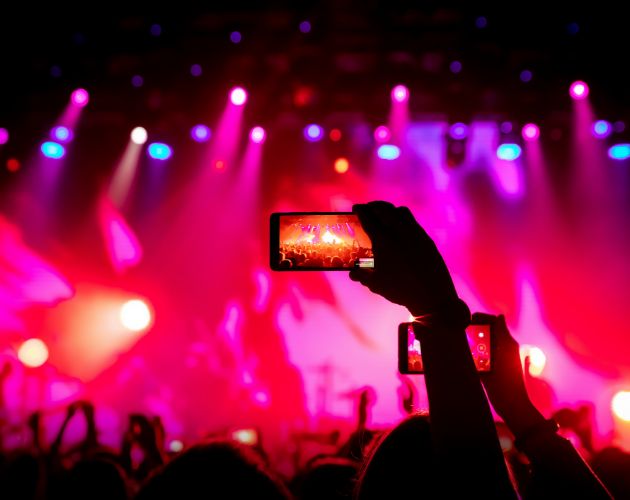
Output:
(318, 241)
(410, 351)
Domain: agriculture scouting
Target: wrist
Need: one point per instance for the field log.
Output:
(453, 314)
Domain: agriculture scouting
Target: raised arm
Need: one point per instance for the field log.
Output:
(558, 471)
(410, 271)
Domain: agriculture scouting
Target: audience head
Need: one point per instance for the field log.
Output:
(213, 470)
(400, 465)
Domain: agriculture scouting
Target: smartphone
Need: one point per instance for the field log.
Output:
(410, 351)
(318, 241)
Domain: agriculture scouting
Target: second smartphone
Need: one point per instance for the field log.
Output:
(410, 350)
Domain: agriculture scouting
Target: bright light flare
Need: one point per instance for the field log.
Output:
(621, 405)
(509, 152)
(328, 237)
(579, 90)
(52, 150)
(458, 131)
(4, 136)
(135, 315)
(313, 132)
(80, 97)
(61, 134)
(160, 151)
(139, 135)
(341, 165)
(33, 353)
(238, 96)
(619, 152)
(537, 359)
(200, 133)
(530, 132)
(388, 152)
(400, 94)
(382, 134)
(602, 129)
(257, 135)
(245, 436)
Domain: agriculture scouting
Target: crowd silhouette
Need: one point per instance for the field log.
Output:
(455, 450)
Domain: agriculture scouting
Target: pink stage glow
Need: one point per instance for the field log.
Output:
(122, 245)
(400, 94)
(579, 90)
(80, 97)
(257, 135)
(238, 96)
(531, 132)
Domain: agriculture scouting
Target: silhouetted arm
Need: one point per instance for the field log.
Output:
(410, 271)
(557, 468)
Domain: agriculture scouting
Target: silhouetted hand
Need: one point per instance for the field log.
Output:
(505, 383)
(408, 269)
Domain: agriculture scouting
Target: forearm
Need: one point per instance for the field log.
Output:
(461, 422)
(556, 466)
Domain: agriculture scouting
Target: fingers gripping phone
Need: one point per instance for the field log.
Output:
(410, 350)
(318, 241)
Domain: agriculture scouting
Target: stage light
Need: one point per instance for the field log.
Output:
(455, 67)
(388, 152)
(481, 22)
(4, 136)
(13, 165)
(156, 29)
(526, 76)
(238, 96)
(196, 70)
(619, 152)
(508, 152)
(382, 134)
(261, 397)
(235, 37)
(160, 151)
(506, 127)
(621, 405)
(257, 135)
(400, 93)
(458, 131)
(137, 81)
(200, 133)
(52, 150)
(530, 132)
(33, 353)
(341, 165)
(537, 359)
(573, 28)
(602, 129)
(219, 164)
(313, 132)
(80, 97)
(335, 135)
(245, 436)
(61, 134)
(305, 27)
(139, 135)
(579, 90)
(135, 315)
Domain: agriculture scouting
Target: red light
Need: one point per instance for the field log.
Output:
(13, 165)
(335, 135)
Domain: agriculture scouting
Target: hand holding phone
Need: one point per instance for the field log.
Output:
(318, 241)
(410, 350)
(409, 268)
